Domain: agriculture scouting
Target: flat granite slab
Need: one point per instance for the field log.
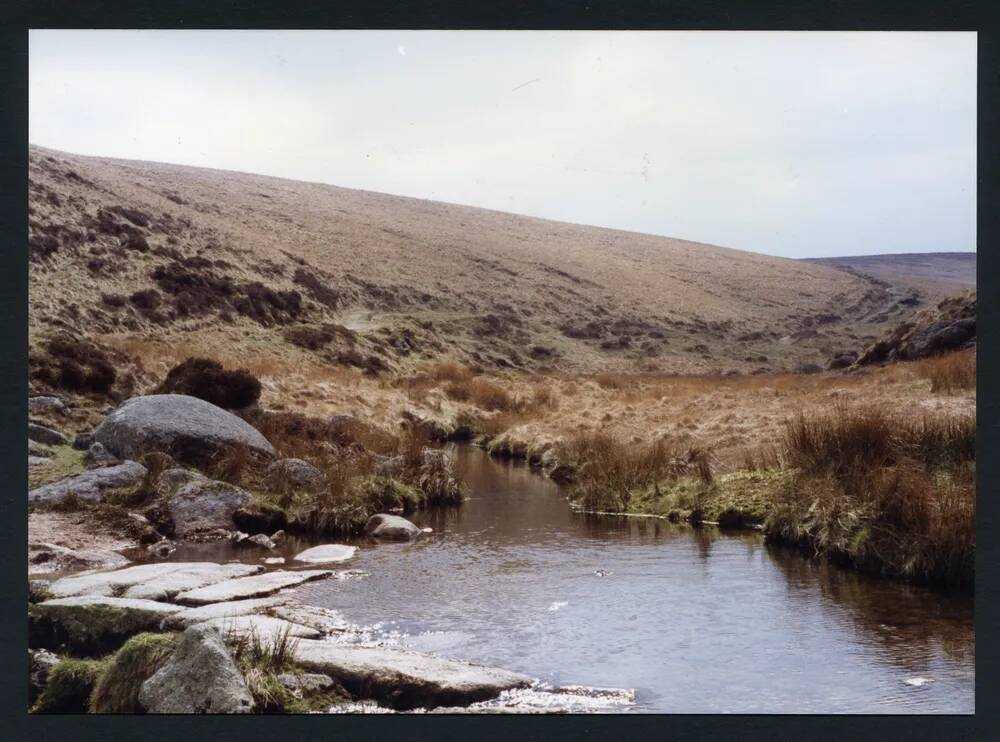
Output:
(249, 587)
(93, 624)
(227, 609)
(405, 680)
(157, 581)
(265, 628)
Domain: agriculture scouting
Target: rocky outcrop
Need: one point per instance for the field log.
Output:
(92, 624)
(46, 404)
(405, 680)
(391, 528)
(199, 678)
(191, 430)
(327, 554)
(286, 475)
(951, 325)
(89, 485)
(205, 504)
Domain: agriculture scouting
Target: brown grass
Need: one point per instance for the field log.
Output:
(949, 372)
(885, 493)
(609, 472)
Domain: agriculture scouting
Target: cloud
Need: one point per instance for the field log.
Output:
(788, 143)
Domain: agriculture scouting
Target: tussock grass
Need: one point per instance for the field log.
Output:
(117, 689)
(882, 492)
(69, 686)
(949, 372)
(609, 473)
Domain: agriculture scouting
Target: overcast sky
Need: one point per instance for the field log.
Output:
(794, 144)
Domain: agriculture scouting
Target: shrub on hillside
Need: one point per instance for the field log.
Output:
(208, 380)
(73, 365)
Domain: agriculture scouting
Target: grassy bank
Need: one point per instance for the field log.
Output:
(883, 493)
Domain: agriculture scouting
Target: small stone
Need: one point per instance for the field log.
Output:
(36, 449)
(83, 441)
(261, 540)
(278, 537)
(90, 485)
(273, 560)
(97, 455)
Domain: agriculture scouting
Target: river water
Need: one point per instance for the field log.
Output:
(694, 620)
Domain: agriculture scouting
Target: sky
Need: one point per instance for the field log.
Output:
(798, 144)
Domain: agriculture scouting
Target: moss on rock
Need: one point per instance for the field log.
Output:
(117, 689)
(69, 686)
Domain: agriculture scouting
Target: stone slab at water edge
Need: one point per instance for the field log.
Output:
(327, 554)
(89, 485)
(157, 581)
(405, 680)
(249, 587)
(189, 429)
(93, 624)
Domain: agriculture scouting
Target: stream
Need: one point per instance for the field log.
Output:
(694, 620)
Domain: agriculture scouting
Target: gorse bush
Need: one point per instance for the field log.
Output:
(208, 380)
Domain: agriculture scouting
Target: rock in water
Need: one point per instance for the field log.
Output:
(199, 678)
(402, 679)
(189, 429)
(326, 554)
(249, 587)
(391, 527)
(204, 505)
(88, 486)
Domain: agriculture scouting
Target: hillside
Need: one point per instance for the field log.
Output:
(262, 266)
(937, 274)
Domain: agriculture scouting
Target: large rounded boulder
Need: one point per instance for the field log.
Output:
(191, 430)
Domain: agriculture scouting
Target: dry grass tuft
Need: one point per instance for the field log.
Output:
(949, 372)
(884, 493)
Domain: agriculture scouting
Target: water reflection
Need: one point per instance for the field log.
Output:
(695, 620)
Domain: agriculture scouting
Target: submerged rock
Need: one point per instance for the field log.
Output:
(249, 587)
(189, 429)
(199, 678)
(93, 624)
(327, 554)
(391, 527)
(89, 485)
(405, 680)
